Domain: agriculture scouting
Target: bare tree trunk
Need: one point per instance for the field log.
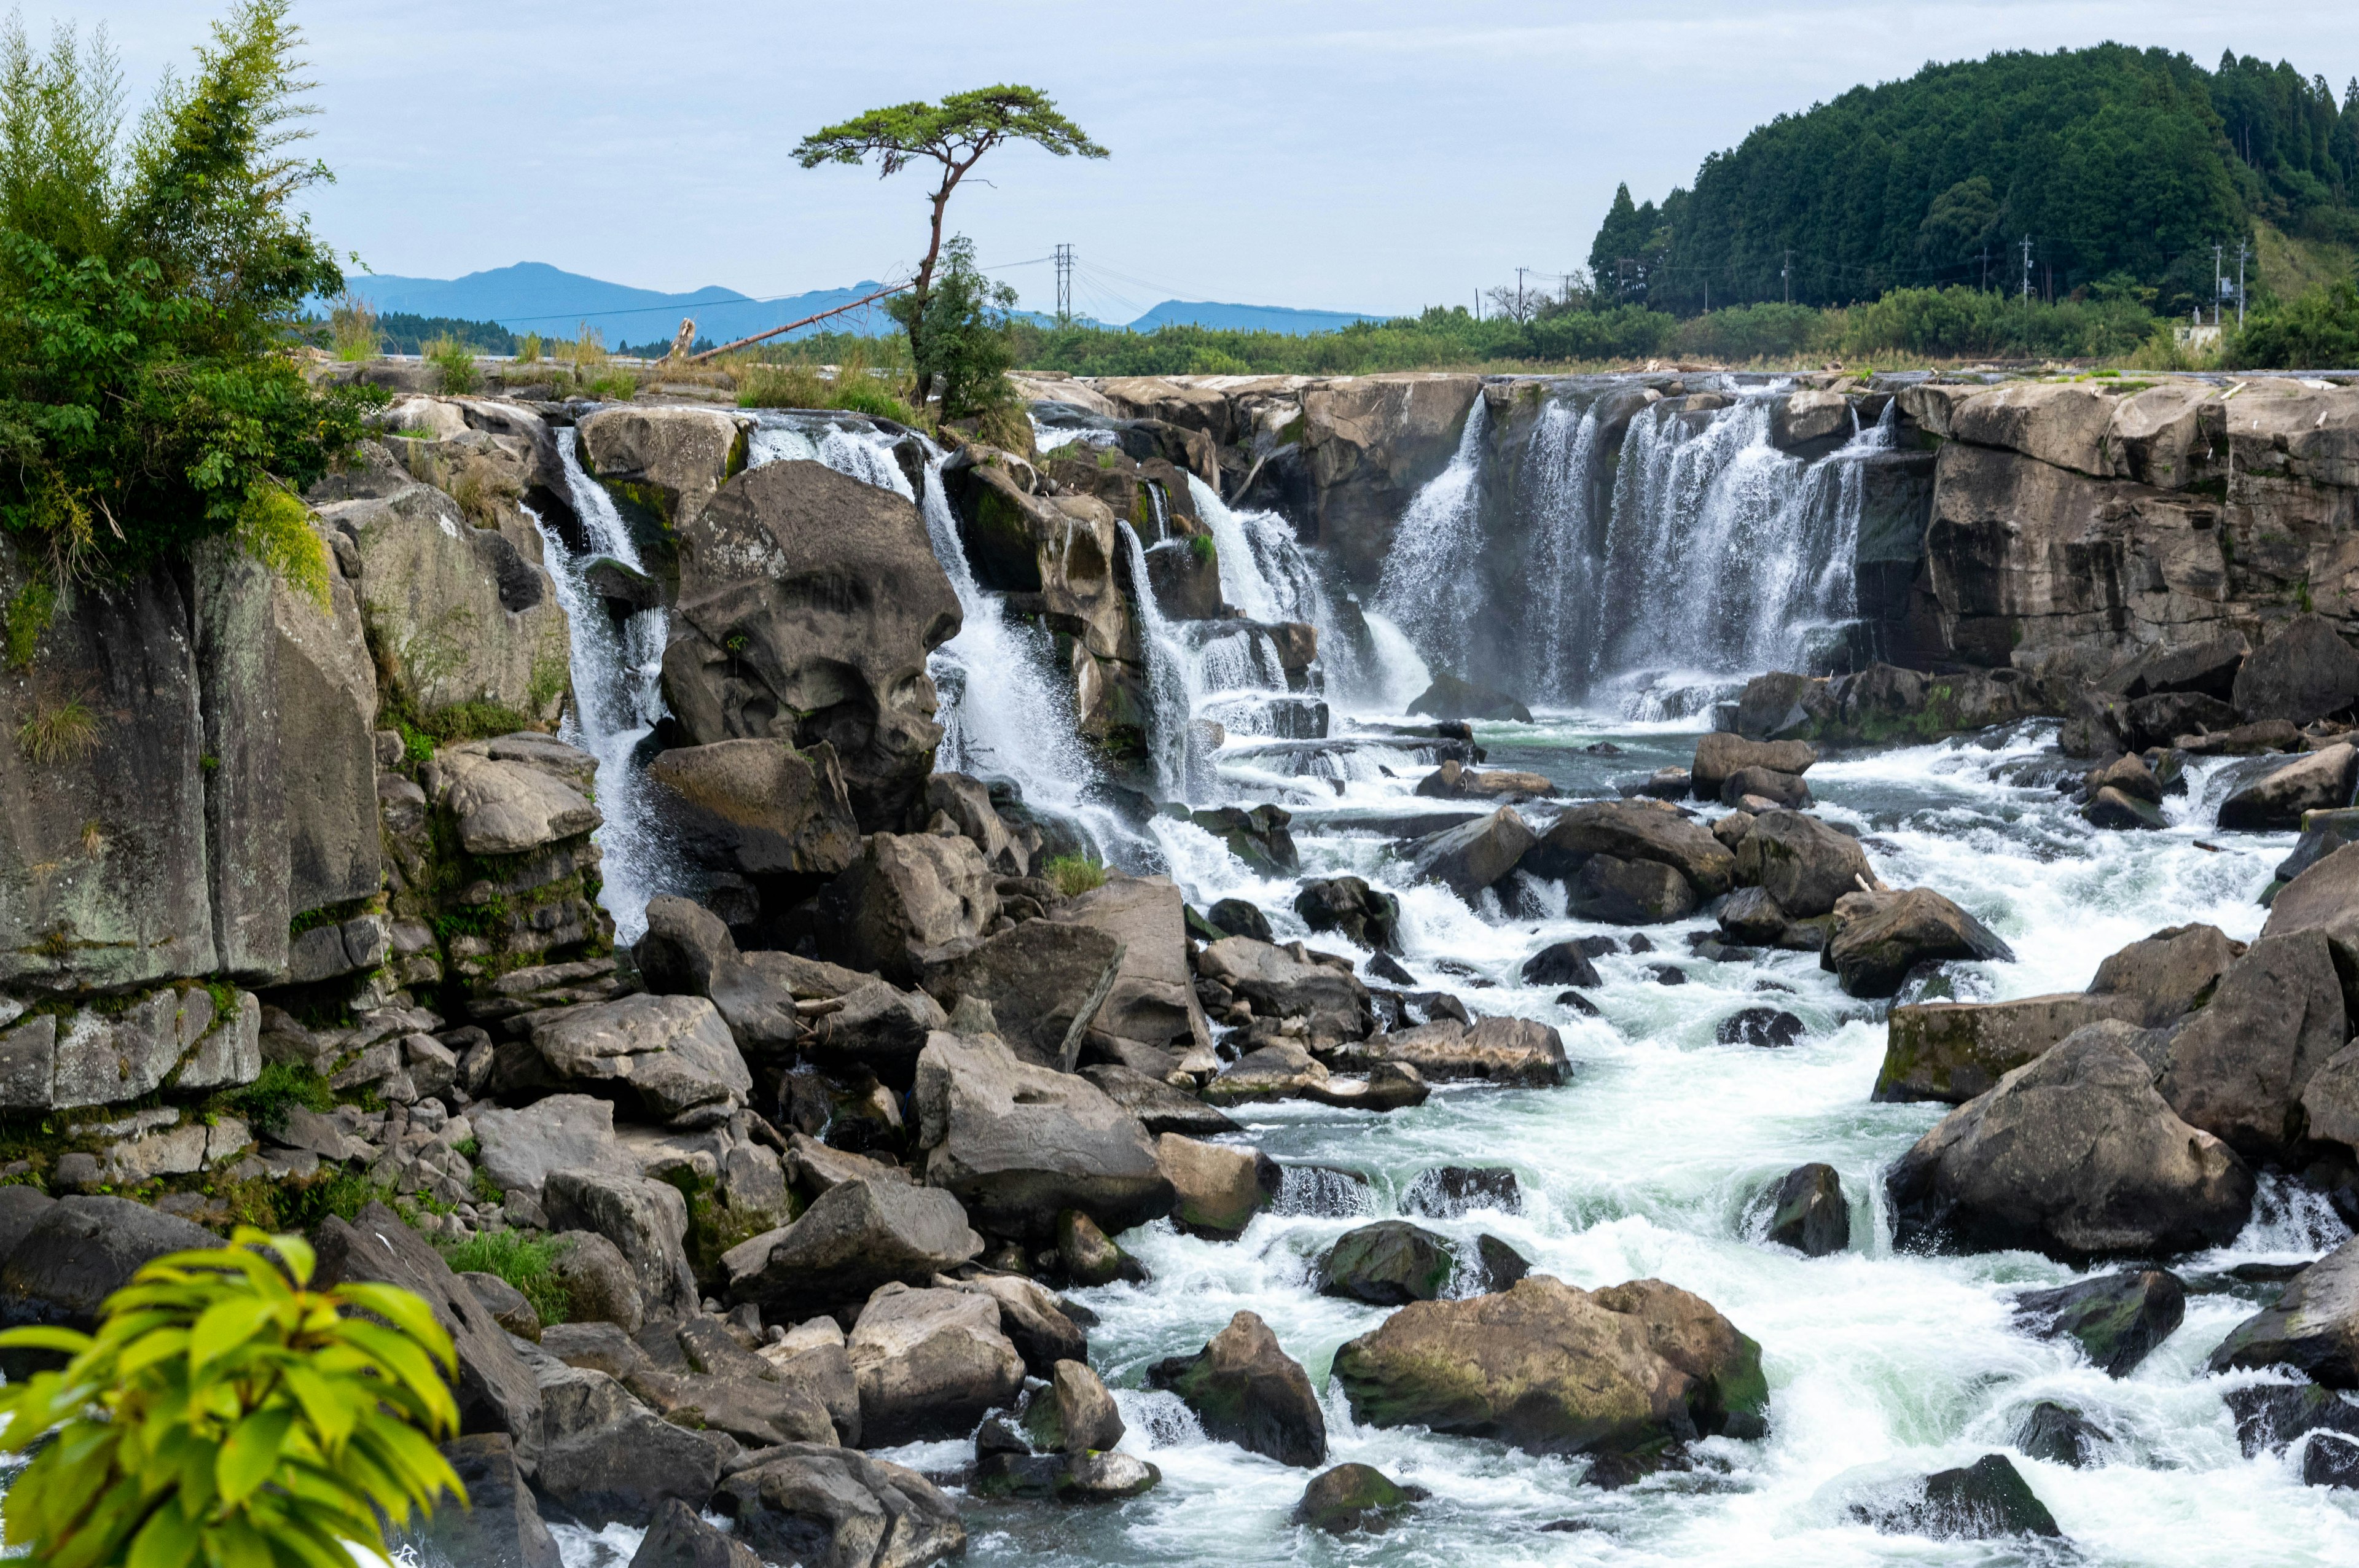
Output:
(925, 285)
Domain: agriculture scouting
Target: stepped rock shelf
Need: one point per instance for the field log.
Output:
(1476, 962)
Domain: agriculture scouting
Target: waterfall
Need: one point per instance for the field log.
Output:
(1563, 559)
(617, 697)
(1429, 584)
(1179, 762)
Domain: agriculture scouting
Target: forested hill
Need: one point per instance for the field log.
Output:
(2123, 167)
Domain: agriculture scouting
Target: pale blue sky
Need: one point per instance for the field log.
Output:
(1374, 155)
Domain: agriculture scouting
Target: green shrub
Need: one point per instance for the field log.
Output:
(2318, 330)
(1073, 875)
(781, 386)
(225, 1414)
(29, 614)
(1206, 549)
(865, 396)
(528, 1262)
(456, 361)
(282, 1086)
(352, 328)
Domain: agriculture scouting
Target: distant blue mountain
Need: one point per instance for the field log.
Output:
(533, 297)
(1247, 318)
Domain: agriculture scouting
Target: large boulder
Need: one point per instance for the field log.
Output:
(2324, 898)
(879, 1029)
(518, 1149)
(2306, 671)
(1032, 1316)
(2312, 1328)
(1880, 936)
(1153, 1002)
(65, 1257)
(1556, 1369)
(857, 1236)
(606, 1458)
(669, 462)
(1246, 1390)
(1807, 1212)
(808, 603)
(1365, 916)
(759, 807)
(680, 1538)
(929, 1364)
(2279, 799)
(1471, 857)
(1630, 892)
(687, 951)
(501, 1526)
(1802, 862)
(646, 1219)
(834, 1508)
(1720, 755)
(1638, 830)
(1955, 1051)
(904, 896)
(2169, 973)
(1018, 1143)
(2076, 1156)
(1515, 1051)
(1044, 981)
(1287, 983)
(2118, 1320)
(2237, 1068)
(503, 805)
(1216, 1189)
(670, 1056)
(496, 1391)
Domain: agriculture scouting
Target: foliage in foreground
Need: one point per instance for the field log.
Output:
(224, 1414)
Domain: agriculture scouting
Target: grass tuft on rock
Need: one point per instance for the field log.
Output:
(1073, 875)
(528, 1262)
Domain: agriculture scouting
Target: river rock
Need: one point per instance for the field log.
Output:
(839, 1508)
(501, 1526)
(1449, 1192)
(1161, 1109)
(2168, 717)
(1017, 1143)
(2131, 776)
(1044, 981)
(1808, 1212)
(1074, 1415)
(2271, 1415)
(1498, 1050)
(1283, 983)
(881, 1029)
(678, 1538)
(1553, 1368)
(1246, 1390)
(1386, 1264)
(854, 1237)
(2170, 973)
(1880, 936)
(1283, 1069)
(2237, 1068)
(670, 1055)
(2312, 1328)
(495, 1390)
(1471, 857)
(2331, 1460)
(1235, 917)
(1089, 1256)
(1352, 1498)
(1768, 1028)
(1749, 917)
(1559, 964)
(1630, 892)
(1720, 755)
(2117, 811)
(1450, 697)
(1802, 862)
(1988, 1500)
(1749, 787)
(1216, 1189)
(2075, 1155)
(2118, 1319)
(929, 1364)
(1153, 1005)
(1362, 915)
(646, 1219)
(2320, 781)
(769, 637)
(1641, 831)
(1031, 1316)
(2306, 671)
(1955, 1051)
(904, 896)
(2061, 1435)
(2325, 897)
(759, 807)
(1455, 781)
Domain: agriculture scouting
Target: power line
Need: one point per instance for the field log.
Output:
(1064, 283)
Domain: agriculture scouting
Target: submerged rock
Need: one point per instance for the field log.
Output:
(1246, 1390)
(2060, 1435)
(1386, 1264)
(1352, 1498)
(1808, 1212)
(2313, 1328)
(1988, 1500)
(2118, 1319)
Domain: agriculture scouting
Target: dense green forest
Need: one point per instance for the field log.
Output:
(2123, 167)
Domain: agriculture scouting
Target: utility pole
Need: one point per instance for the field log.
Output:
(1787, 271)
(2027, 272)
(1064, 283)
(2217, 249)
(1986, 269)
(2244, 249)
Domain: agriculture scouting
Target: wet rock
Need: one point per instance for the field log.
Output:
(2237, 1069)
(1515, 1051)
(2165, 719)
(496, 1391)
(1559, 964)
(1455, 781)
(759, 807)
(1362, 915)
(1074, 1415)
(1216, 1189)
(1954, 1051)
(1087, 1257)
(1386, 1086)
(1632, 830)
(1386, 1264)
(1552, 1368)
(646, 1219)
(501, 1526)
(1448, 1191)
(678, 1538)
(1471, 856)
(1158, 1106)
(1768, 1027)
(671, 1056)
(1450, 697)
(2129, 775)
(2312, 1328)
(2061, 1435)
(2320, 781)
(929, 1364)
(2116, 811)
(841, 1508)
(905, 895)
(1750, 917)
(1808, 1212)
(2306, 671)
(1720, 756)
(1235, 917)
(1017, 1143)
(1880, 936)
(2118, 1319)
(1802, 862)
(1630, 892)
(1044, 981)
(1746, 786)
(1352, 1498)
(1988, 1500)
(1246, 1390)
(1031, 1316)
(1285, 983)
(2075, 1155)
(2331, 1460)
(2270, 1415)
(853, 1239)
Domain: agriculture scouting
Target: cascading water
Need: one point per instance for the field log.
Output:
(1563, 613)
(617, 697)
(1180, 770)
(1428, 588)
